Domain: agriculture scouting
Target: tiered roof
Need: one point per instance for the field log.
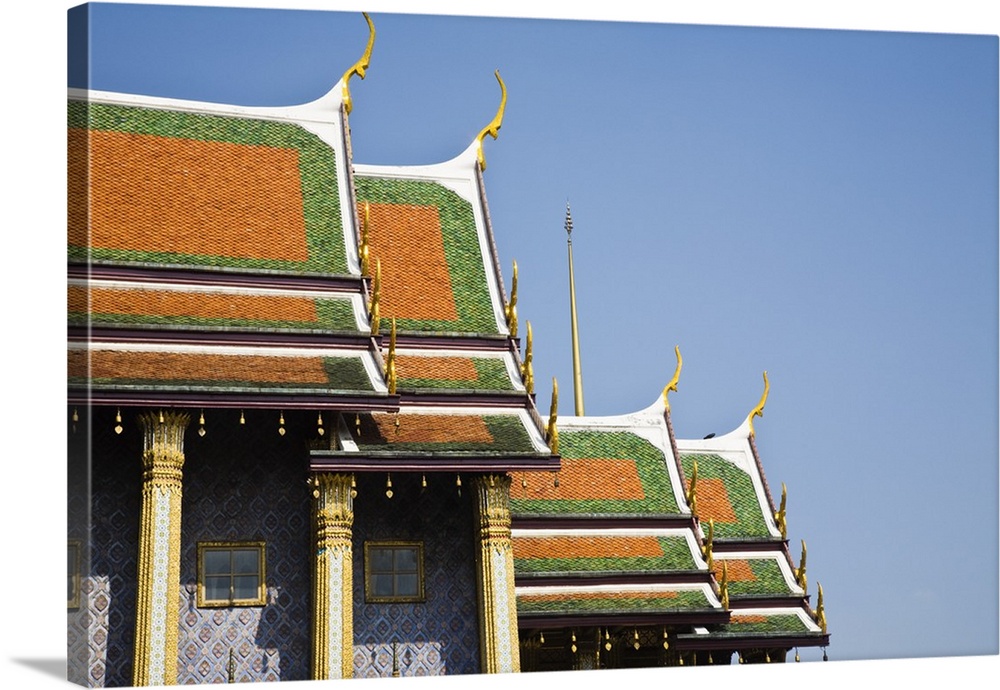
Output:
(216, 260)
(614, 540)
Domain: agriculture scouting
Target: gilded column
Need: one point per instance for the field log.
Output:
(332, 600)
(498, 641)
(155, 659)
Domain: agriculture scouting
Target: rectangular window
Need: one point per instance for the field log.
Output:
(73, 574)
(394, 571)
(231, 574)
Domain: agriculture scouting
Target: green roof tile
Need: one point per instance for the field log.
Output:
(739, 493)
(317, 201)
(603, 473)
(612, 603)
(465, 281)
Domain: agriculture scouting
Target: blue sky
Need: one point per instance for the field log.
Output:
(822, 204)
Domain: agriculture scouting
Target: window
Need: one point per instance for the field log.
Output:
(231, 573)
(394, 571)
(73, 574)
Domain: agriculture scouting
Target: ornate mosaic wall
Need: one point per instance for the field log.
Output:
(105, 620)
(247, 483)
(241, 482)
(440, 635)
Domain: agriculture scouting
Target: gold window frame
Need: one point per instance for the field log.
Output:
(260, 600)
(370, 596)
(73, 570)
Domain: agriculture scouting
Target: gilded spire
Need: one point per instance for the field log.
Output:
(577, 373)
(551, 432)
(758, 411)
(527, 370)
(360, 66)
(779, 516)
(672, 386)
(510, 309)
(493, 128)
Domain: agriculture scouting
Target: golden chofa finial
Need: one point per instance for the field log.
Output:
(527, 370)
(759, 410)
(360, 66)
(779, 516)
(820, 613)
(551, 432)
(800, 572)
(510, 309)
(692, 492)
(390, 365)
(373, 305)
(493, 128)
(672, 386)
(363, 248)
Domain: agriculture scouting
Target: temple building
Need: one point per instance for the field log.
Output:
(304, 440)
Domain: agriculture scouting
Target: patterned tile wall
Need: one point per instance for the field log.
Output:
(247, 483)
(241, 482)
(441, 635)
(108, 588)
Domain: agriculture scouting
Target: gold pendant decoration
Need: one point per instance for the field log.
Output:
(201, 423)
(118, 421)
(281, 423)
(388, 486)
(319, 424)
(242, 418)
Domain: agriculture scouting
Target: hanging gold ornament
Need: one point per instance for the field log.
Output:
(423, 481)
(242, 419)
(354, 488)
(201, 423)
(666, 644)
(388, 486)
(607, 640)
(118, 421)
(319, 423)
(573, 640)
(281, 423)
(161, 416)
(635, 644)
(797, 655)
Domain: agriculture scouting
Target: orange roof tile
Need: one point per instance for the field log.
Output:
(163, 194)
(407, 240)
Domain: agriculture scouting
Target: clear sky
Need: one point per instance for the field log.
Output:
(822, 204)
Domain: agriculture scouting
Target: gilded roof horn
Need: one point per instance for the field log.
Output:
(672, 386)
(759, 410)
(360, 66)
(493, 128)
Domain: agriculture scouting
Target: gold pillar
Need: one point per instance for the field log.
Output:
(498, 641)
(333, 600)
(159, 569)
